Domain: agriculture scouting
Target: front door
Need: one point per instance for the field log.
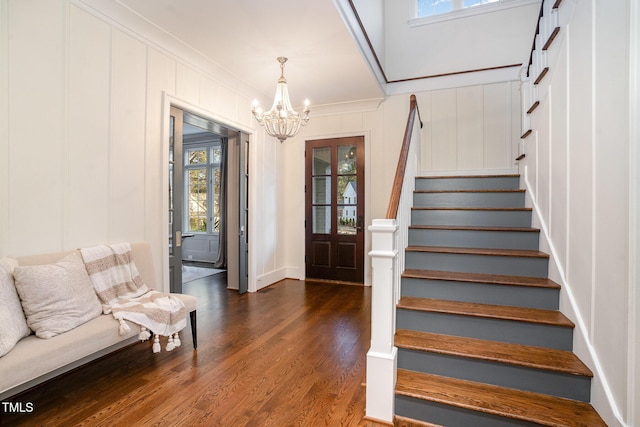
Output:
(334, 187)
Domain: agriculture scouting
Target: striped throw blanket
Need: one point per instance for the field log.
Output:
(122, 292)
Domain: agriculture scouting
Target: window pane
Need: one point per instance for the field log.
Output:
(196, 157)
(322, 161)
(322, 219)
(217, 154)
(321, 192)
(347, 190)
(347, 208)
(347, 159)
(433, 7)
(347, 217)
(216, 199)
(197, 200)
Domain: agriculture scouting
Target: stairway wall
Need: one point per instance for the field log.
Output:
(577, 176)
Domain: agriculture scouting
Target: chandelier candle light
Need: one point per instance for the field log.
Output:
(281, 121)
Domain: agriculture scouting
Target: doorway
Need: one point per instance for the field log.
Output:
(204, 197)
(334, 209)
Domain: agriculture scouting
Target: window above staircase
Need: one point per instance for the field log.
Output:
(432, 11)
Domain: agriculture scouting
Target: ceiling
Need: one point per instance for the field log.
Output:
(246, 36)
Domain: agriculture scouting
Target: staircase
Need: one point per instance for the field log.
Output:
(480, 339)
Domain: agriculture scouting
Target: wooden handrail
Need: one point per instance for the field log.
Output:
(396, 190)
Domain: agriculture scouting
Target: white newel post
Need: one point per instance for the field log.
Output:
(382, 356)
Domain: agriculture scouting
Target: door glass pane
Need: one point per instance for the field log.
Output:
(347, 204)
(347, 190)
(322, 219)
(347, 159)
(321, 190)
(197, 209)
(322, 161)
(171, 160)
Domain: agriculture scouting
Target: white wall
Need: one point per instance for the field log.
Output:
(499, 38)
(470, 129)
(84, 129)
(371, 13)
(577, 173)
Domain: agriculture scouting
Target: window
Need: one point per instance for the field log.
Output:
(202, 188)
(437, 7)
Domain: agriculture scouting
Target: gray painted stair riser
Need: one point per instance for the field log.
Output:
(474, 218)
(475, 263)
(557, 384)
(504, 239)
(516, 332)
(468, 183)
(483, 293)
(466, 199)
(478, 209)
(451, 416)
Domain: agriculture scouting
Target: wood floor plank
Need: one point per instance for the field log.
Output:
(291, 354)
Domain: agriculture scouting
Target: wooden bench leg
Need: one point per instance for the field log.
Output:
(194, 330)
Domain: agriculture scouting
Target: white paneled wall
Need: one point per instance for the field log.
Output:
(577, 173)
(90, 54)
(470, 129)
(36, 191)
(85, 128)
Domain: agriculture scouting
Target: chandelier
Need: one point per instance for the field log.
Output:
(281, 120)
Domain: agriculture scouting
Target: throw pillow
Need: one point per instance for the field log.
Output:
(13, 325)
(56, 297)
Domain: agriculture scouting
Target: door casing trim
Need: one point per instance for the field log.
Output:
(169, 100)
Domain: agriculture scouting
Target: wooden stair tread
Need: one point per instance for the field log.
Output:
(514, 354)
(479, 251)
(512, 175)
(518, 314)
(467, 208)
(540, 282)
(399, 421)
(515, 404)
(473, 228)
(515, 190)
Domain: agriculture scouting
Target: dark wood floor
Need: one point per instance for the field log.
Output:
(291, 354)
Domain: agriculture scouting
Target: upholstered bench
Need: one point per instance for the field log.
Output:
(34, 360)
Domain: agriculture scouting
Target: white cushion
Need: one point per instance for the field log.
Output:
(13, 325)
(56, 297)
